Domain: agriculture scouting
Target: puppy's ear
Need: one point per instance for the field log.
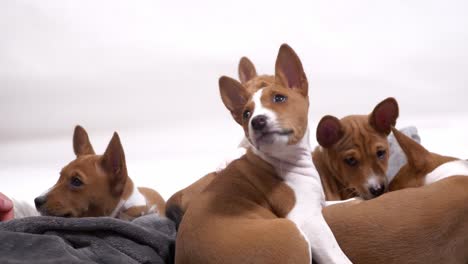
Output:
(329, 131)
(81, 143)
(289, 71)
(416, 155)
(246, 70)
(384, 116)
(113, 162)
(234, 96)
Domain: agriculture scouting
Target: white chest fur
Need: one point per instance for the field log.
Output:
(457, 167)
(134, 200)
(296, 168)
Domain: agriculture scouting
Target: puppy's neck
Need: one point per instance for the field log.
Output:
(290, 159)
(131, 197)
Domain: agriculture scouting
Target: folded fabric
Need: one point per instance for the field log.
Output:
(45, 239)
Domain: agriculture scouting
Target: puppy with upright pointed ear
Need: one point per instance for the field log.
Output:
(113, 161)
(98, 185)
(352, 158)
(81, 143)
(270, 115)
(234, 95)
(276, 171)
(246, 70)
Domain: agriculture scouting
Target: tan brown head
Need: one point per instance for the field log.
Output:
(355, 148)
(249, 78)
(420, 162)
(272, 110)
(90, 185)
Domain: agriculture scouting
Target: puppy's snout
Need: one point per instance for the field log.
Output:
(259, 122)
(377, 190)
(40, 201)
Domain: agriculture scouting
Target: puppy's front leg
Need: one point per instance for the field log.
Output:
(325, 248)
(307, 215)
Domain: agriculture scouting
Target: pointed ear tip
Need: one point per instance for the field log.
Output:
(79, 128)
(115, 139)
(391, 101)
(285, 46)
(223, 79)
(244, 59)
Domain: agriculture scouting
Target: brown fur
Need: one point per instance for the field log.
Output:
(420, 162)
(414, 225)
(417, 225)
(359, 137)
(237, 219)
(104, 183)
(251, 82)
(239, 216)
(179, 202)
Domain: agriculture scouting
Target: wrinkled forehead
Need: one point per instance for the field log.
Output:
(360, 127)
(83, 163)
(259, 82)
(358, 133)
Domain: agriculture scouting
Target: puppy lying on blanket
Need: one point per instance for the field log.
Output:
(98, 185)
(46, 239)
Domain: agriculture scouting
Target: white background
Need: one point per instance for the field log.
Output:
(149, 70)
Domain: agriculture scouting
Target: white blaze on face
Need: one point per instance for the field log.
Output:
(264, 140)
(373, 181)
(258, 110)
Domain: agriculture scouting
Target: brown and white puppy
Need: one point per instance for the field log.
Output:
(352, 158)
(98, 185)
(414, 225)
(265, 206)
(424, 167)
(178, 203)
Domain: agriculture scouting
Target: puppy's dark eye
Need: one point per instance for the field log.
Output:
(76, 182)
(279, 98)
(352, 162)
(246, 114)
(381, 154)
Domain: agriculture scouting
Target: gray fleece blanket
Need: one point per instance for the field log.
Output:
(43, 239)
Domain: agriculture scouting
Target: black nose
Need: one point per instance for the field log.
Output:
(259, 122)
(377, 190)
(39, 201)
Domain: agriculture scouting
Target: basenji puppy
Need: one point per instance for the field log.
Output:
(424, 167)
(265, 207)
(98, 185)
(352, 158)
(415, 225)
(177, 204)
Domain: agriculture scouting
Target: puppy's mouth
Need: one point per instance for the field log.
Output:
(65, 215)
(267, 136)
